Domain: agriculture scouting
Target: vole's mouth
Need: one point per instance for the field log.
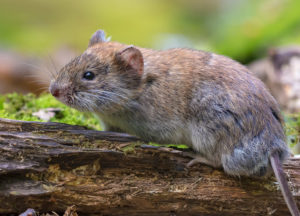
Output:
(66, 99)
(63, 94)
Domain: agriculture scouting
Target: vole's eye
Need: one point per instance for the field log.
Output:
(88, 75)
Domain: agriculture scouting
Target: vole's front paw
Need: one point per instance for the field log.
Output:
(193, 162)
(196, 159)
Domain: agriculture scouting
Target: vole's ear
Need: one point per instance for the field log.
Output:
(98, 37)
(131, 59)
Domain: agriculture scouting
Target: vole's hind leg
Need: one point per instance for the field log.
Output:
(243, 161)
(197, 159)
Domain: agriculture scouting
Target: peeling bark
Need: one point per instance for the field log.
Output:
(50, 166)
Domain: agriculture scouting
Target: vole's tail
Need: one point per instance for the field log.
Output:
(280, 176)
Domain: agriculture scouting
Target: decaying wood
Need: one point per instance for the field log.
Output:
(50, 166)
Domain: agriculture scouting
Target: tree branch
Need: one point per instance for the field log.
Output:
(50, 166)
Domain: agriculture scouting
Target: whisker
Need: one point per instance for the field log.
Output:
(97, 97)
(86, 104)
(50, 69)
(31, 65)
(109, 93)
(39, 82)
(44, 71)
(90, 100)
(54, 66)
(43, 89)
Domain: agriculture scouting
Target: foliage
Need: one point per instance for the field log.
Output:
(243, 30)
(248, 28)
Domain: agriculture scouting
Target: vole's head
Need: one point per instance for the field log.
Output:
(103, 79)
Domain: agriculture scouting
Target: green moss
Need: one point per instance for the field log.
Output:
(170, 145)
(130, 149)
(21, 107)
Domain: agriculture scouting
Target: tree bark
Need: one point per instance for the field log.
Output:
(50, 166)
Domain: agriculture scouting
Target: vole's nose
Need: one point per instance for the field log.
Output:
(54, 90)
(55, 93)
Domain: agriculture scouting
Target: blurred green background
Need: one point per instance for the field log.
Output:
(241, 29)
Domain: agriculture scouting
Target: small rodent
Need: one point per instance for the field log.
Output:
(181, 96)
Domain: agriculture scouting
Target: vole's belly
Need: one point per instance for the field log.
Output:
(159, 133)
(163, 133)
(173, 131)
(203, 143)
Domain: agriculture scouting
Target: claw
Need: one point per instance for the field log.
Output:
(193, 162)
(196, 159)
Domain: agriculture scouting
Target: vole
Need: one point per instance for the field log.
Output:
(181, 96)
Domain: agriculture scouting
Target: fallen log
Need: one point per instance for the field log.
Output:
(51, 166)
